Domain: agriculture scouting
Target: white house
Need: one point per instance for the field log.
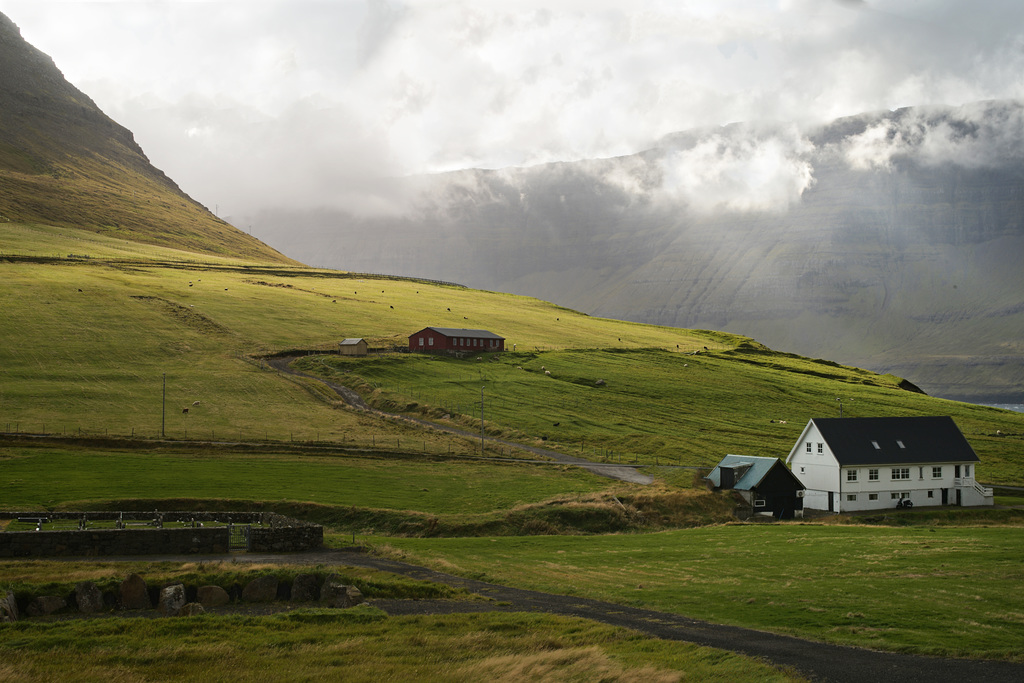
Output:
(872, 463)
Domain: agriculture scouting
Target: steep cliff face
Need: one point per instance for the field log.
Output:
(64, 162)
(891, 240)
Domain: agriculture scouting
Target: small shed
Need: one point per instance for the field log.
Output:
(765, 483)
(352, 347)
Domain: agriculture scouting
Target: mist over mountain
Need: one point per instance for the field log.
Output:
(890, 240)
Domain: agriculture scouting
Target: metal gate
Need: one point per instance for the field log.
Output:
(238, 537)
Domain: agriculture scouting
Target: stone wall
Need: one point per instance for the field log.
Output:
(278, 534)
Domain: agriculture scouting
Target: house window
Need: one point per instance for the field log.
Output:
(851, 475)
(931, 494)
(803, 470)
(851, 496)
(821, 448)
(901, 473)
(967, 470)
(873, 475)
(808, 446)
(759, 503)
(872, 496)
(936, 473)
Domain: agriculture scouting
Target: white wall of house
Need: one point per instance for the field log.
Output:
(877, 487)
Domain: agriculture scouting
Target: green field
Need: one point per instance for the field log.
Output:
(931, 590)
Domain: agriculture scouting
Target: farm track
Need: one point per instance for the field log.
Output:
(618, 472)
(817, 661)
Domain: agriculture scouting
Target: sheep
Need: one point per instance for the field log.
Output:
(184, 410)
(547, 372)
(519, 367)
(391, 307)
(195, 403)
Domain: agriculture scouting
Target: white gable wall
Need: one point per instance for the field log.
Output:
(817, 468)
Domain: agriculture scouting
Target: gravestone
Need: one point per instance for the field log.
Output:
(134, 593)
(305, 588)
(212, 596)
(172, 599)
(88, 597)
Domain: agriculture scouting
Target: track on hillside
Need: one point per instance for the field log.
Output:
(620, 472)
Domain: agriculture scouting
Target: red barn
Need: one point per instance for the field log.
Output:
(452, 339)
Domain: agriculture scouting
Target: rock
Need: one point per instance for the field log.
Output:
(88, 597)
(212, 596)
(262, 589)
(191, 609)
(172, 599)
(305, 588)
(8, 608)
(336, 594)
(134, 594)
(45, 604)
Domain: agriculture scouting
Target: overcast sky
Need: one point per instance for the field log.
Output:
(298, 103)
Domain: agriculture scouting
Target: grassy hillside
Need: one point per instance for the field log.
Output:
(85, 345)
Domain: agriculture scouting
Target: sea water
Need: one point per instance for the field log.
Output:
(1015, 407)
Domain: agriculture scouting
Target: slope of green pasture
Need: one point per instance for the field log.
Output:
(43, 478)
(657, 406)
(360, 644)
(85, 345)
(944, 591)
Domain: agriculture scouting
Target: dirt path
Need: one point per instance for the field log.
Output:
(817, 661)
(619, 472)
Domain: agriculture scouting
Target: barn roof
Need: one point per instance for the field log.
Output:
(458, 332)
(352, 341)
(894, 440)
(751, 470)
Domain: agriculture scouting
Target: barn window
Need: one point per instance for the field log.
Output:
(431, 341)
(421, 341)
(873, 475)
(851, 475)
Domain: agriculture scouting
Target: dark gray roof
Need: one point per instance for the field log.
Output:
(924, 439)
(456, 332)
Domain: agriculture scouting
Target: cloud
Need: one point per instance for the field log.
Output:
(979, 135)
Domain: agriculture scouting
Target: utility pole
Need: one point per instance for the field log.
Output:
(841, 405)
(163, 408)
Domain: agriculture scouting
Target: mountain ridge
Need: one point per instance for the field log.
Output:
(888, 240)
(64, 162)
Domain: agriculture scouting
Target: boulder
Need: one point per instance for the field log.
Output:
(212, 596)
(88, 597)
(134, 594)
(8, 608)
(172, 599)
(191, 609)
(305, 588)
(45, 604)
(336, 594)
(261, 589)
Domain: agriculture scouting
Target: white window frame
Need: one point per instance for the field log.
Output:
(851, 475)
(873, 474)
(936, 472)
(900, 473)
